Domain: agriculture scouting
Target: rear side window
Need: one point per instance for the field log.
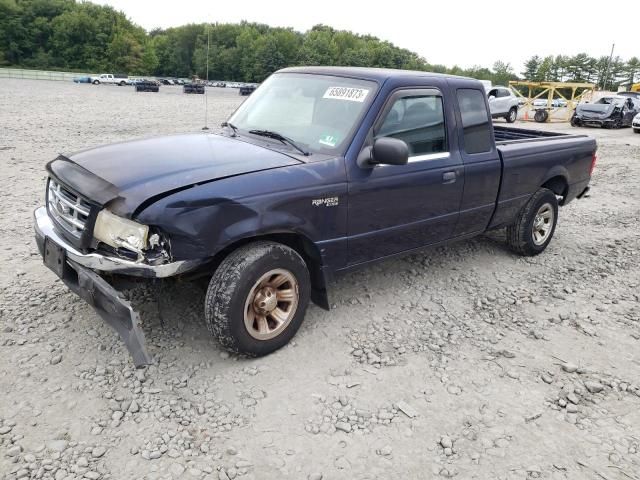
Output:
(475, 121)
(418, 120)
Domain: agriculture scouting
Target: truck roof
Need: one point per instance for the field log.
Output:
(366, 73)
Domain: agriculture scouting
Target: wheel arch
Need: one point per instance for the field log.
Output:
(558, 184)
(299, 242)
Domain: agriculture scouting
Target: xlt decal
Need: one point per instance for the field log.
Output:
(327, 202)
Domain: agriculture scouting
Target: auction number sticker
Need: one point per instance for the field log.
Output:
(346, 93)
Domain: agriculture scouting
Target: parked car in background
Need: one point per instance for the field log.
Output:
(144, 85)
(321, 171)
(503, 103)
(629, 94)
(82, 79)
(220, 84)
(636, 123)
(109, 79)
(544, 102)
(608, 112)
(193, 88)
(247, 89)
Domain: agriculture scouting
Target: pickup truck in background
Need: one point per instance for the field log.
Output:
(322, 170)
(503, 103)
(108, 78)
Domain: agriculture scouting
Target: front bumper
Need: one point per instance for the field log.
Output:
(78, 271)
(102, 263)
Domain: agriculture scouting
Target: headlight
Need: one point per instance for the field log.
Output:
(120, 232)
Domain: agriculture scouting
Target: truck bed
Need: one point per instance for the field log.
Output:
(531, 158)
(509, 135)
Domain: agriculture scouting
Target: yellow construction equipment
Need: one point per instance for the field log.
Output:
(635, 87)
(556, 100)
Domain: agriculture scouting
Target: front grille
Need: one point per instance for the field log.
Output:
(70, 211)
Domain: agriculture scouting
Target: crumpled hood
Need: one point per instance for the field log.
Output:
(135, 171)
(595, 110)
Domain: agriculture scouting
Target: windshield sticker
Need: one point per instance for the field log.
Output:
(346, 93)
(328, 140)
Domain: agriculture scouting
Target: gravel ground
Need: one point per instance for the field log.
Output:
(464, 361)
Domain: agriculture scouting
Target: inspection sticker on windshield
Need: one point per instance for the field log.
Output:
(328, 140)
(346, 93)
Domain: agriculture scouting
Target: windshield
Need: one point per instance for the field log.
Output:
(317, 112)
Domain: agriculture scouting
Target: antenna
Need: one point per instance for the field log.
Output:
(606, 76)
(207, 82)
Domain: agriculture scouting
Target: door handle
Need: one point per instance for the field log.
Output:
(449, 177)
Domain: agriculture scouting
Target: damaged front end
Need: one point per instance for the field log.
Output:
(123, 249)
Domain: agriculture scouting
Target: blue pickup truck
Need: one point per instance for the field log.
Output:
(321, 171)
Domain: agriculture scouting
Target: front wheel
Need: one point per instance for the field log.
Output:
(535, 225)
(636, 130)
(512, 115)
(96, 82)
(257, 298)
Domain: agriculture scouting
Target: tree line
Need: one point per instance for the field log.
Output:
(583, 68)
(82, 36)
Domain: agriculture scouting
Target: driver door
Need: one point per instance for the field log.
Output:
(395, 208)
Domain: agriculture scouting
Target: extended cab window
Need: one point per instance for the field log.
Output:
(475, 121)
(418, 120)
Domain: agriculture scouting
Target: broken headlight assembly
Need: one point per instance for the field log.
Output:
(129, 239)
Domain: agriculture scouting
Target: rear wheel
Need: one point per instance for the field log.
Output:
(96, 82)
(535, 225)
(257, 298)
(512, 115)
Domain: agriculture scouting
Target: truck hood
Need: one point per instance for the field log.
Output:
(129, 173)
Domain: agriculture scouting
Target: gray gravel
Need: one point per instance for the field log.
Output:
(462, 361)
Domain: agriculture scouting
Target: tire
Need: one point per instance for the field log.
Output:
(521, 237)
(574, 121)
(235, 293)
(512, 116)
(121, 84)
(96, 82)
(541, 116)
(636, 130)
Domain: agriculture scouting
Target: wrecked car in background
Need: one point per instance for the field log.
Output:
(193, 88)
(613, 111)
(247, 89)
(144, 85)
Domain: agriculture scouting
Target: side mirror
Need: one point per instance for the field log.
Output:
(385, 151)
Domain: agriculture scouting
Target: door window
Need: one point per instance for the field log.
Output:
(419, 122)
(475, 121)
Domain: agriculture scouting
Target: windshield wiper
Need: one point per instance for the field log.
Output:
(231, 126)
(282, 138)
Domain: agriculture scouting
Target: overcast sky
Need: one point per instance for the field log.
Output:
(449, 32)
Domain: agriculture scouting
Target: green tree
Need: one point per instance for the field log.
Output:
(531, 67)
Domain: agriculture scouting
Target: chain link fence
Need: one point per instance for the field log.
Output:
(39, 74)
